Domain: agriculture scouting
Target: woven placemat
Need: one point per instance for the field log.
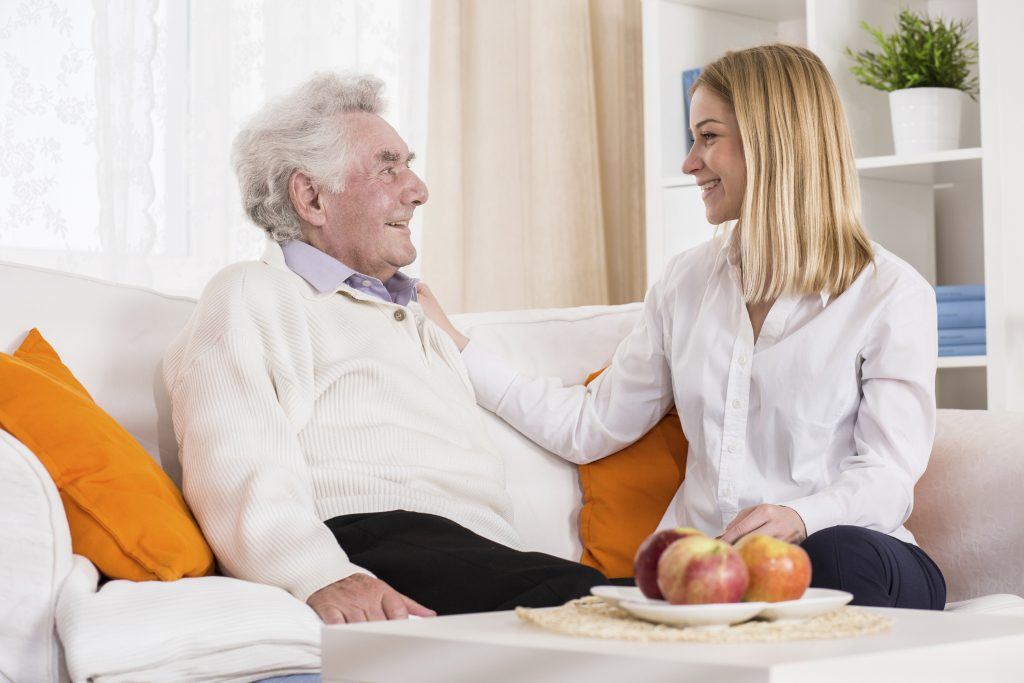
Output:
(591, 616)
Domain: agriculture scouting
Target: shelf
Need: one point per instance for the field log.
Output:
(781, 10)
(928, 168)
(963, 361)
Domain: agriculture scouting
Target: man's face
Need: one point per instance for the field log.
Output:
(367, 223)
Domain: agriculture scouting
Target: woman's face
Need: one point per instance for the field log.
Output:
(716, 158)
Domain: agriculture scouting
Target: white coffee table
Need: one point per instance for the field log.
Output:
(498, 648)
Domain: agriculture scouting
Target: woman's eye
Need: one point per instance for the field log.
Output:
(708, 136)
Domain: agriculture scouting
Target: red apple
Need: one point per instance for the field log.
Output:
(645, 562)
(698, 570)
(778, 570)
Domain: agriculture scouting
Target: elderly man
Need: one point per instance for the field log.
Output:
(329, 436)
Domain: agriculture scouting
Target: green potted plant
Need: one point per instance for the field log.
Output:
(925, 66)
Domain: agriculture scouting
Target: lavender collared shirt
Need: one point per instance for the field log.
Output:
(325, 273)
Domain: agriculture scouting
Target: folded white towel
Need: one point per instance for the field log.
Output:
(210, 629)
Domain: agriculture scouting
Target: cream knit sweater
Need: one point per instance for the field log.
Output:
(292, 407)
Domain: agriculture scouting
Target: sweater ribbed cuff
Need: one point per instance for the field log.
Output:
(325, 575)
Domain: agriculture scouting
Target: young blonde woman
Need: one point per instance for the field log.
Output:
(800, 355)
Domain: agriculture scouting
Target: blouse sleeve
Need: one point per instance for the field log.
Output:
(582, 424)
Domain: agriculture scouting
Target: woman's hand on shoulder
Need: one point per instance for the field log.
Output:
(432, 307)
(777, 521)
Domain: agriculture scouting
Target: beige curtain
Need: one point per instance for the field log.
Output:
(535, 154)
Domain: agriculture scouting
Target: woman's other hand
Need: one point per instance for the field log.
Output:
(777, 521)
(437, 315)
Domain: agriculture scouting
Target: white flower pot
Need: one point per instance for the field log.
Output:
(925, 119)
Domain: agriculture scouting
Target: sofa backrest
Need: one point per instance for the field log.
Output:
(113, 339)
(969, 513)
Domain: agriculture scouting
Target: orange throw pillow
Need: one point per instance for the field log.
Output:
(626, 494)
(124, 513)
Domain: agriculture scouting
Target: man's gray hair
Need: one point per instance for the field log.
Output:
(298, 132)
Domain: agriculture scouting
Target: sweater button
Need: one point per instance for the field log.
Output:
(399, 316)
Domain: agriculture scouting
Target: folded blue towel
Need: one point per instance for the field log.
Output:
(960, 293)
(962, 350)
(966, 335)
(960, 314)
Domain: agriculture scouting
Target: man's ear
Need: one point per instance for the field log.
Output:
(305, 196)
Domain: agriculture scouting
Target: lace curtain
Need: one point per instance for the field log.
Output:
(116, 120)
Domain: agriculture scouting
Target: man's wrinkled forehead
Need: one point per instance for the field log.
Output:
(373, 140)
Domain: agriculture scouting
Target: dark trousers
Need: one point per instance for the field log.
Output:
(452, 570)
(880, 571)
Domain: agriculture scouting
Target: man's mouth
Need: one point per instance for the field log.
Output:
(398, 224)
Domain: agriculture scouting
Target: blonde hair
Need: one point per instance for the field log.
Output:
(800, 225)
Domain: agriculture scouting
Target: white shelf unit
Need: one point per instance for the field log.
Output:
(963, 362)
(934, 210)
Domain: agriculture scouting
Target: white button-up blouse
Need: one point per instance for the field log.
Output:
(831, 412)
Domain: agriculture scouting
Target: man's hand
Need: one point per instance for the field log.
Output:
(360, 597)
(777, 521)
(433, 309)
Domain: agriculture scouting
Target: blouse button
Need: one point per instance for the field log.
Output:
(399, 316)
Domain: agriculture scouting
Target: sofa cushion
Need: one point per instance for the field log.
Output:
(123, 511)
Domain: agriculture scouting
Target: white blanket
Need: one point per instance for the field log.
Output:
(204, 630)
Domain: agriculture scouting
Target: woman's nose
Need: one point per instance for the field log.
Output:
(692, 162)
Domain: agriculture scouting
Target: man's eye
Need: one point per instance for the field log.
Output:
(390, 170)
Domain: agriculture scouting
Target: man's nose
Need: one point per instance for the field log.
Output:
(416, 193)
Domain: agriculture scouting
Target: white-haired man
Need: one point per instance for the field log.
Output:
(329, 435)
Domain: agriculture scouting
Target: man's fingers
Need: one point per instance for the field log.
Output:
(330, 614)
(394, 607)
(375, 612)
(354, 615)
(416, 608)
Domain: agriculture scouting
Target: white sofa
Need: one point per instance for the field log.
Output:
(55, 621)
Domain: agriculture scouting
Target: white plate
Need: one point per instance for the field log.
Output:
(718, 615)
(614, 595)
(814, 601)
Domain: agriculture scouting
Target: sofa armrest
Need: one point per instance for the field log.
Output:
(35, 558)
(968, 509)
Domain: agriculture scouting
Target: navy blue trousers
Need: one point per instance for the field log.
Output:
(880, 571)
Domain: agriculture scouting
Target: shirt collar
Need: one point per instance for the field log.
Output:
(731, 249)
(326, 274)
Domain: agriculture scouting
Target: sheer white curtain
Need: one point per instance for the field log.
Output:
(116, 120)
